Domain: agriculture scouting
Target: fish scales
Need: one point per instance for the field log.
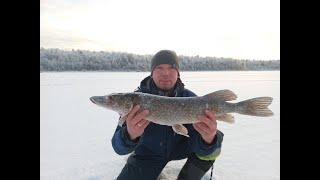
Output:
(168, 111)
(179, 110)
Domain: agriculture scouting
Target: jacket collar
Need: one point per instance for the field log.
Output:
(147, 85)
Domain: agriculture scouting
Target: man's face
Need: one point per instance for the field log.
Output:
(165, 76)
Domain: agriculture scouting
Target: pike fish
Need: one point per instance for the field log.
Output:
(175, 111)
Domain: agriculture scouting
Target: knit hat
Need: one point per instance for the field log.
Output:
(165, 57)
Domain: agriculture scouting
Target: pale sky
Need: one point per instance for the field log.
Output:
(241, 29)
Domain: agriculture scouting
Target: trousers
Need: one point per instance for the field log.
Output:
(149, 169)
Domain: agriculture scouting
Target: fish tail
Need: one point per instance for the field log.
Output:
(255, 107)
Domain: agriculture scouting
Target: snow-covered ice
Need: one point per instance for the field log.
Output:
(75, 135)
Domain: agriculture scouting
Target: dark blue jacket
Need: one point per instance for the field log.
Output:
(160, 142)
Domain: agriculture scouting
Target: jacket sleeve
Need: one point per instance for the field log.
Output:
(202, 148)
(121, 143)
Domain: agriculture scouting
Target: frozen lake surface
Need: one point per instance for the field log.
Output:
(75, 135)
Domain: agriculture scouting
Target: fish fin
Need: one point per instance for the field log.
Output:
(226, 118)
(122, 119)
(224, 95)
(180, 129)
(255, 106)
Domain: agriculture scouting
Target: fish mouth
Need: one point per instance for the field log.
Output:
(93, 100)
(99, 100)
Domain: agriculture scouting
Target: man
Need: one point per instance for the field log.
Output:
(154, 145)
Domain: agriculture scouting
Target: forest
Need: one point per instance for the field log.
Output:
(54, 59)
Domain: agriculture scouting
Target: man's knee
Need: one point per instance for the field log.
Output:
(136, 169)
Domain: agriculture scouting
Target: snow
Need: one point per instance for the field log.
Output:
(75, 135)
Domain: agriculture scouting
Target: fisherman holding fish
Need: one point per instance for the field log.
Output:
(153, 145)
(163, 121)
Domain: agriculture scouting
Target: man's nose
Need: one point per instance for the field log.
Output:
(165, 72)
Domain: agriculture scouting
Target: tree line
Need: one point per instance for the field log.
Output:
(84, 60)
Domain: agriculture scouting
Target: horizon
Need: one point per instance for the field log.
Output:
(230, 29)
(111, 51)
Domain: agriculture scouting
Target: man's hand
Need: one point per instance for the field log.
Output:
(206, 126)
(136, 122)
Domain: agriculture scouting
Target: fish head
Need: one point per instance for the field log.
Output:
(118, 102)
